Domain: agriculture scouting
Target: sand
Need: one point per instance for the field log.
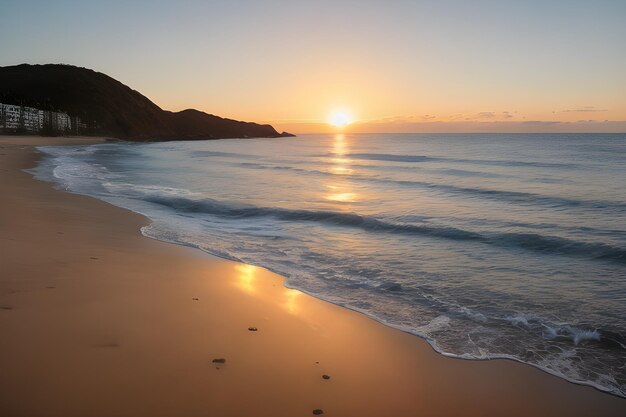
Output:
(97, 320)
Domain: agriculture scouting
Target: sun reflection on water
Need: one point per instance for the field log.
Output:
(341, 190)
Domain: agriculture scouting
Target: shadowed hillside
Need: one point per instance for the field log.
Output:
(111, 108)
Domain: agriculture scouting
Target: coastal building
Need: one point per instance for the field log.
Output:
(31, 119)
(79, 125)
(10, 116)
(16, 119)
(57, 122)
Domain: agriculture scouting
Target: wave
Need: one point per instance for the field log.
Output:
(204, 154)
(422, 158)
(527, 241)
(512, 196)
(215, 207)
(391, 157)
(517, 197)
(576, 334)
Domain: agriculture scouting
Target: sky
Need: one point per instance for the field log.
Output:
(389, 66)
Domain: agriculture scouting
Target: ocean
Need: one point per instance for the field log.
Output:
(486, 245)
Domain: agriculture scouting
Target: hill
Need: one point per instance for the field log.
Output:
(113, 109)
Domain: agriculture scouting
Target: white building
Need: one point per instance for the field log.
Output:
(9, 116)
(29, 119)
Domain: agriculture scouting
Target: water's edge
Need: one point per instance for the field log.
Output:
(432, 343)
(145, 231)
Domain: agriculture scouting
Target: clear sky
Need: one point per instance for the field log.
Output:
(390, 65)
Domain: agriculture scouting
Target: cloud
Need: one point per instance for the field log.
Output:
(490, 115)
(585, 109)
(541, 123)
(401, 119)
(455, 117)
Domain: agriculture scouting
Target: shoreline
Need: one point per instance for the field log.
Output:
(47, 176)
(375, 369)
(431, 343)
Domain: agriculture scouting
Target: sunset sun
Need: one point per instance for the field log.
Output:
(339, 119)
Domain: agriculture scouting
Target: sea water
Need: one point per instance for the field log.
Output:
(486, 245)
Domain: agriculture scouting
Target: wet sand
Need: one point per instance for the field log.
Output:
(97, 320)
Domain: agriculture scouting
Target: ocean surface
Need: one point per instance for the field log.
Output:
(486, 245)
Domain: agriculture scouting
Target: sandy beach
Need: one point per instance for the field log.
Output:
(98, 320)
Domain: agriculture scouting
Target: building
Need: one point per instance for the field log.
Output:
(22, 119)
(10, 116)
(57, 122)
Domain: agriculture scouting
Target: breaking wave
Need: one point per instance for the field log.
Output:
(527, 241)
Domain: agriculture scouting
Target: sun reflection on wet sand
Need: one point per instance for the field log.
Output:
(251, 283)
(291, 300)
(246, 277)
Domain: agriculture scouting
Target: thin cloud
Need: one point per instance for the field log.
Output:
(541, 122)
(401, 119)
(490, 115)
(586, 109)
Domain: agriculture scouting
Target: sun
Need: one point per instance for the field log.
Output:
(339, 119)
